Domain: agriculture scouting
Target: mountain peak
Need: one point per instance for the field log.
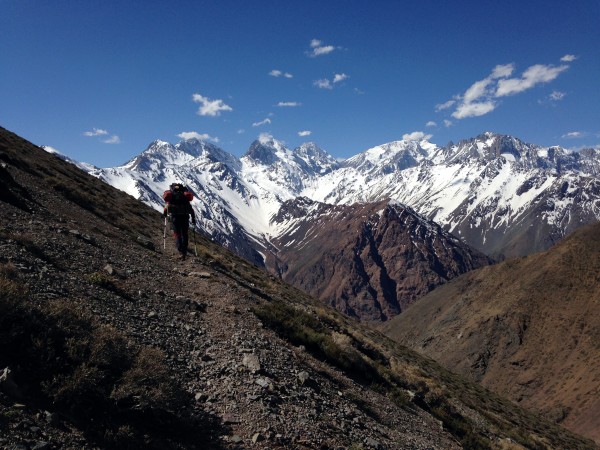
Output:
(314, 159)
(392, 156)
(193, 146)
(160, 154)
(266, 150)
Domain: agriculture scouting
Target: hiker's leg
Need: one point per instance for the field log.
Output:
(178, 233)
(184, 235)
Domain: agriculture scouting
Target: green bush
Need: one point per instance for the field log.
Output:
(104, 281)
(11, 290)
(142, 392)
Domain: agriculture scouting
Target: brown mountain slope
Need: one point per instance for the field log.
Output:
(113, 344)
(527, 328)
(370, 261)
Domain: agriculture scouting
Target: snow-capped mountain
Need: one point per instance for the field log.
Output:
(497, 193)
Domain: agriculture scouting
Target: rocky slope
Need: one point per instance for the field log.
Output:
(370, 261)
(212, 352)
(526, 328)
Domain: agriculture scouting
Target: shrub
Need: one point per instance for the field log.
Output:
(102, 280)
(10, 289)
(147, 384)
(105, 282)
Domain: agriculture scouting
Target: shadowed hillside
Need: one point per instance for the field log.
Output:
(107, 342)
(527, 328)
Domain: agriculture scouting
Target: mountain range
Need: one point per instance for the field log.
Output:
(498, 195)
(108, 341)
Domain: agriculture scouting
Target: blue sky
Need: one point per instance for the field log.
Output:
(100, 80)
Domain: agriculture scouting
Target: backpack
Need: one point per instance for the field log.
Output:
(178, 199)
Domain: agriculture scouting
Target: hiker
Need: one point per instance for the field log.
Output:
(179, 209)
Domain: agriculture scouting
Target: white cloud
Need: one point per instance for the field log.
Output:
(278, 73)
(241, 131)
(481, 97)
(317, 49)
(573, 135)
(326, 83)
(441, 106)
(557, 95)
(265, 137)
(323, 50)
(534, 75)
(477, 90)
(502, 71)
(447, 123)
(99, 132)
(358, 91)
(112, 140)
(416, 136)
(95, 132)
(304, 133)
(478, 98)
(431, 123)
(210, 107)
(290, 104)
(465, 110)
(568, 58)
(262, 122)
(194, 135)
(323, 84)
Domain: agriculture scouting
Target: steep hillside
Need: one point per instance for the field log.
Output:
(527, 328)
(369, 261)
(106, 341)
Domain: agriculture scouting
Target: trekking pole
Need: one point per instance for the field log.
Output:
(195, 248)
(165, 235)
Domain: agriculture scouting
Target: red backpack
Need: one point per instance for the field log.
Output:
(178, 199)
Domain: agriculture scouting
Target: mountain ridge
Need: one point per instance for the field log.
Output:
(461, 186)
